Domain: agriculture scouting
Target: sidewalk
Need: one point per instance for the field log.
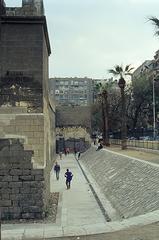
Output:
(77, 208)
(78, 212)
(77, 205)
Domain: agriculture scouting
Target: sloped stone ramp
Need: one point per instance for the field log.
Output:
(131, 185)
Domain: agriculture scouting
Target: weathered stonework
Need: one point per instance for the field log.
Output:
(73, 127)
(30, 128)
(26, 112)
(21, 186)
(75, 116)
(130, 185)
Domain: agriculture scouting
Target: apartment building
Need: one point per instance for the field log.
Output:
(72, 91)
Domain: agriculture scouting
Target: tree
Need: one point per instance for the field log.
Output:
(103, 90)
(122, 72)
(140, 101)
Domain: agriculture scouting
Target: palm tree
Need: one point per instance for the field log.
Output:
(122, 72)
(103, 89)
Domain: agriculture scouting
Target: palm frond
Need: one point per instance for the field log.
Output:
(130, 69)
(128, 74)
(112, 71)
(121, 69)
(127, 67)
(157, 33)
(155, 21)
(118, 69)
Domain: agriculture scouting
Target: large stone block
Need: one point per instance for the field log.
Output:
(15, 190)
(39, 177)
(28, 215)
(26, 178)
(15, 184)
(15, 196)
(5, 203)
(26, 172)
(15, 178)
(5, 196)
(7, 179)
(5, 190)
(32, 209)
(4, 184)
(37, 172)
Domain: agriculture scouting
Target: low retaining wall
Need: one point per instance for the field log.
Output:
(21, 186)
(130, 185)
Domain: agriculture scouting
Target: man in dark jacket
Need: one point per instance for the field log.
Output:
(57, 170)
(68, 176)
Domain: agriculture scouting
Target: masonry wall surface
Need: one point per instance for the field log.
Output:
(21, 186)
(73, 116)
(21, 49)
(30, 128)
(24, 47)
(130, 185)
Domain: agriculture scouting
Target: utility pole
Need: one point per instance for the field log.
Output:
(154, 78)
(121, 84)
(154, 109)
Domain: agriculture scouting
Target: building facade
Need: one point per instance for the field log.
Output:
(72, 91)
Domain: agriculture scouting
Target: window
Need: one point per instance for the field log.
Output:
(57, 91)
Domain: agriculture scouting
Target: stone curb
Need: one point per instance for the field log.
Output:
(46, 231)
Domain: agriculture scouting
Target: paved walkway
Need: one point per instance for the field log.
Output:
(77, 205)
(78, 212)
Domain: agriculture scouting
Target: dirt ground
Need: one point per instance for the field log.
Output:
(147, 156)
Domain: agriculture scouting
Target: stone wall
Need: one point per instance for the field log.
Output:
(37, 134)
(31, 8)
(26, 112)
(21, 186)
(130, 185)
(24, 40)
(74, 138)
(73, 116)
(30, 128)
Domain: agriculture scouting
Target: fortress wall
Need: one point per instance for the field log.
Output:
(30, 128)
(21, 186)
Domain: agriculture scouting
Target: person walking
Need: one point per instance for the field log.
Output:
(68, 176)
(67, 150)
(60, 154)
(57, 170)
(100, 146)
(79, 154)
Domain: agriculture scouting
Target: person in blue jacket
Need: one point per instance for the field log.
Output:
(68, 176)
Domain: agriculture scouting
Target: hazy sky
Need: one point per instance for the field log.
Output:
(88, 37)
